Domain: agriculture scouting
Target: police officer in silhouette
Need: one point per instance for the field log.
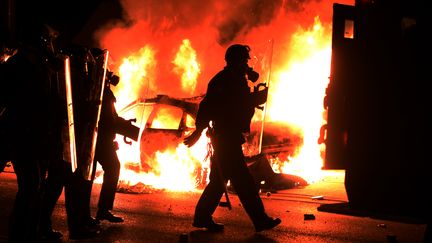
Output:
(106, 152)
(32, 120)
(227, 110)
(60, 175)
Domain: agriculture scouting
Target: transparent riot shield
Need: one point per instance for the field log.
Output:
(68, 137)
(93, 94)
(261, 60)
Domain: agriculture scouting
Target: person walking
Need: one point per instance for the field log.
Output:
(226, 111)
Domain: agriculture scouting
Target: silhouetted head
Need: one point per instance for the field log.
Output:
(96, 51)
(237, 54)
(48, 38)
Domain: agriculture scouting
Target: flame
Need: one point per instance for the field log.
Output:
(187, 66)
(134, 71)
(179, 61)
(166, 118)
(177, 168)
(297, 95)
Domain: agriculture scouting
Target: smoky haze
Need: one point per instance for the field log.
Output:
(210, 26)
(230, 18)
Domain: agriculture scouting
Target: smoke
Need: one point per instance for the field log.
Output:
(168, 15)
(230, 18)
(240, 18)
(210, 26)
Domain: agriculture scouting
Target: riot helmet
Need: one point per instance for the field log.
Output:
(48, 37)
(237, 53)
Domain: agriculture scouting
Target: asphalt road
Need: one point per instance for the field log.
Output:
(164, 216)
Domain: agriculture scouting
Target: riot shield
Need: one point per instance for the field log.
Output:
(68, 135)
(261, 60)
(92, 108)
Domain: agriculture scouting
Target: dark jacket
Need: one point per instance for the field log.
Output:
(228, 103)
(110, 122)
(33, 108)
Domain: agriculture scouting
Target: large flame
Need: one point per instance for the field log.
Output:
(172, 51)
(134, 71)
(187, 66)
(297, 96)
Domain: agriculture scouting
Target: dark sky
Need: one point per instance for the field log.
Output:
(74, 19)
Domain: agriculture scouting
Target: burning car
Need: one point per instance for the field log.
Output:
(167, 120)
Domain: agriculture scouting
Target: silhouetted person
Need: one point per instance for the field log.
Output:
(30, 121)
(227, 110)
(106, 153)
(60, 175)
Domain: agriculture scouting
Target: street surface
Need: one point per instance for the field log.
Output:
(163, 216)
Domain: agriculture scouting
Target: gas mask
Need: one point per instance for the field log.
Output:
(252, 75)
(112, 78)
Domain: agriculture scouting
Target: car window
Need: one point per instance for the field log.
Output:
(166, 117)
(190, 121)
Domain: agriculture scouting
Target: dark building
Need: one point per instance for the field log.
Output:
(378, 103)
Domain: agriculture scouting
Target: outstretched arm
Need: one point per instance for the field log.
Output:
(193, 138)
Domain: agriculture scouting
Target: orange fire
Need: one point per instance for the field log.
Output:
(177, 58)
(302, 83)
(187, 67)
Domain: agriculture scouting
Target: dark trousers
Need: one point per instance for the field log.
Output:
(77, 196)
(228, 158)
(24, 220)
(58, 174)
(107, 157)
